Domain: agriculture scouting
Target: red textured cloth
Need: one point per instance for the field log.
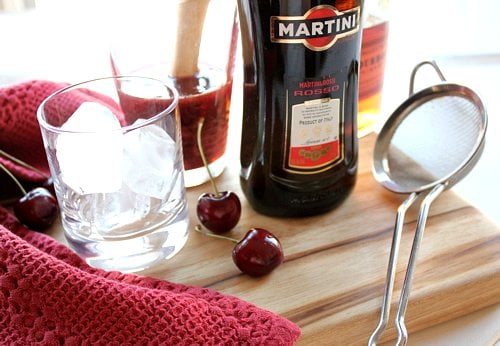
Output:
(19, 131)
(49, 295)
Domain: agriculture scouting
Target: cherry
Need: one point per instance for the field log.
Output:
(37, 209)
(218, 211)
(258, 253)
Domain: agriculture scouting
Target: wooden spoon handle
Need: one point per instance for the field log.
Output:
(191, 17)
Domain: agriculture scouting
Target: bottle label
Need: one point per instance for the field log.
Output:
(314, 120)
(318, 29)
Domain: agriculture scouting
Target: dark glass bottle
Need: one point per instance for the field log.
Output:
(299, 141)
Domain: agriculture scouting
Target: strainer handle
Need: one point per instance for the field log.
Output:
(419, 233)
(415, 69)
(391, 269)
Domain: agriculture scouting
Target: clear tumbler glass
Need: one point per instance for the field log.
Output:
(114, 151)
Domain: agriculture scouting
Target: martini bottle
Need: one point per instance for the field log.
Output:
(299, 148)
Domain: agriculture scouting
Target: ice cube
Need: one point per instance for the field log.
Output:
(115, 214)
(90, 159)
(149, 160)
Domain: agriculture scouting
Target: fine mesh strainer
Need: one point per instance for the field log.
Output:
(429, 143)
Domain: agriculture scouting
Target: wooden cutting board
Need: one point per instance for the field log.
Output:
(332, 281)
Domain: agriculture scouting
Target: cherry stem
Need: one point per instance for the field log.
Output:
(22, 163)
(198, 229)
(3, 168)
(203, 157)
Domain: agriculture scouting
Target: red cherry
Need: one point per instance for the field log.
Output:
(219, 212)
(37, 209)
(258, 253)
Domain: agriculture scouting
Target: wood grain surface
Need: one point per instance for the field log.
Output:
(332, 281)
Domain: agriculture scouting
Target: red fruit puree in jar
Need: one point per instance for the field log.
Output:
(202, 97)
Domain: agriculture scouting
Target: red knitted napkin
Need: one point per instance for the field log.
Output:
(19, 131)
(50, 296)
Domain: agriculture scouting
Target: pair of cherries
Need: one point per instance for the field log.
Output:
(259, 252)
(38, 208)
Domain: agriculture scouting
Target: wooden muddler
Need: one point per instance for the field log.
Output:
(191, 17)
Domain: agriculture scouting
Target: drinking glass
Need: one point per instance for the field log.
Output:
(114, 151)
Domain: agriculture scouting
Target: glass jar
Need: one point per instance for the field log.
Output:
(190, 44)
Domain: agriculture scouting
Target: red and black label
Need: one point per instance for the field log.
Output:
(318, 29)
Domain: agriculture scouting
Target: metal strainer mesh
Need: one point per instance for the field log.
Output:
(429, 144)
